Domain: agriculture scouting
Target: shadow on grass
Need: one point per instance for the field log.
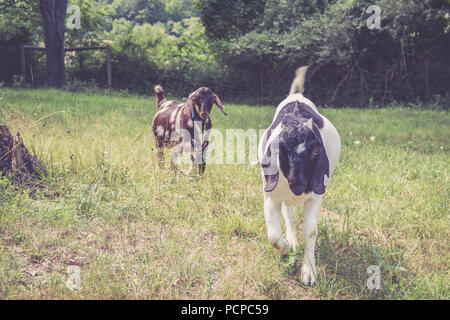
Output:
(343, 259)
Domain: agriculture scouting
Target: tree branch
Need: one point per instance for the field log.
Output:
(341, 83)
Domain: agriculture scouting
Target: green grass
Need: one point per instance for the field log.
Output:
(141, 232)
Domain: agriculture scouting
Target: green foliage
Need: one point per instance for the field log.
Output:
(179, 9)
(282, 15)
(176, 54)
(350, 63)
(17, 81)
(230, 19)
(249, 50)
(88, 66)
(18, 22)
(94, 21)
(140, 11)
(153, 11)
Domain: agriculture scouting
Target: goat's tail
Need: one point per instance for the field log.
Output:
(159, 95)
(298, 85)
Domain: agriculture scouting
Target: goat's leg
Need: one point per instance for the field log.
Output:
(273, 222)
(312, 208)
(197, 158)
(202, 165)
(196, 161)
(176, 152)
(202, 168)
(291, 236)
(159, 151)
(160, 157)
(173, 160)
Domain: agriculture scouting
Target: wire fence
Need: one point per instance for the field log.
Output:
(26, 66)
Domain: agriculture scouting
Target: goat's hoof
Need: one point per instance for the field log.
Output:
(282, 247)
(308, 276)
(293, 246)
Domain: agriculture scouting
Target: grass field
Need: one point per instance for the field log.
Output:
(140, 232)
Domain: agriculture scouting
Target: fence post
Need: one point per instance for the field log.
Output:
(108, 66)
(22, 62)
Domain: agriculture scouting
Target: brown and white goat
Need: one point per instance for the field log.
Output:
(184, 127)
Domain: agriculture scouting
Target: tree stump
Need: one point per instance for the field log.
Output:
(15, 160)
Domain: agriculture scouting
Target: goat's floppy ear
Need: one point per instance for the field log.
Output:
(321, 169)
(219, 104)
(270, 166)
(192, 98)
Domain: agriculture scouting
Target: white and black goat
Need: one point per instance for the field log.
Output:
(298, 153)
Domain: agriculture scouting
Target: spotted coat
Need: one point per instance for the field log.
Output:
(185, 127)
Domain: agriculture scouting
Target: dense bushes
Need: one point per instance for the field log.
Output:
(248, 50)
(351, 65)
(174, 54)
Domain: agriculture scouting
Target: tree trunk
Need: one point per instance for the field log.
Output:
(15, 160)
(54, 15)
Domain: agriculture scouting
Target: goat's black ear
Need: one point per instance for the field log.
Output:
(271, 182)
(270, 169)
(321, 169)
